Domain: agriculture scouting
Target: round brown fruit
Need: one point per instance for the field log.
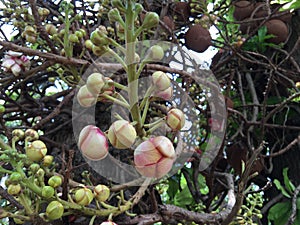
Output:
(242, 10)
(182, 11)
(279, 29)
(197, 38)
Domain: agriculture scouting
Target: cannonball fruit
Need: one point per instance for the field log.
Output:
(279, 29)
(242, 10)
(197, 38)
(182, 11)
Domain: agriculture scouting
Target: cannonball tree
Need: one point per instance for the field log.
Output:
(149, 112)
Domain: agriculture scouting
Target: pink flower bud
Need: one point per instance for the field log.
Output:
(154, 157)
(165, 95)
(85, 98)
(95, 83)
(16, 69)
(160, 80)
(121, 134)
(108, 223)
(93, 143)
(175, 119)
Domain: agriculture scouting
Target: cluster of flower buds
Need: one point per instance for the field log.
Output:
(29, 34)
(15, 62)
(163, 88)
(84, 196)
(95, 88)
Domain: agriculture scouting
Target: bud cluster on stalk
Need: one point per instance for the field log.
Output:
(96, 86)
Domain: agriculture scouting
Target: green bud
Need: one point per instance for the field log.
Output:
(73, 38)
(20, 134)
(2, 109)
(48, 192)
(40, 173)
(89, 44)
(82, 31)
(98, 38)
(95, 83)
(51, 29)
(31, 135)
(151, 20)
(114, 15)
(15, 177)
(101, 192)
(79, 34)
(34, 168)
(36, 150)
(54, 210)
(47, 160)
(14, 189)
(98, 51)
(138, 8)
(83, 196)
(155, 53)
(55, 181)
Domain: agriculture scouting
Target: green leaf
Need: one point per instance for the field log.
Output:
(173, 188)
(183, 197)
(281, 188)
(287, 183)
(280, 211)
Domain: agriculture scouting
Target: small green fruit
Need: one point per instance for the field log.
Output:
(47, 161)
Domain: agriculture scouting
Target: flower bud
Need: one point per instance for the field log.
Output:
(36, 151)
(99, 38)
(85, 98)
(121, 134)
(31, 134)
(2, 109)
(175, 119)
(160, 80)
(165, 95)
(83, 196)
(15, 177)
(98, 51)
(29, 30)
(54, 210)
(155, 53)
(93, 143)
(95, 83)
(114, 15)
(101, 192)
(138, 8)
(154, 157)
(20, 134)
(47, 160)
(34, 168)
(48, 192)
(14, 189)
(50, 29)
(298, 84)
(151, 20)
(73, 38)
(55, 181)
(108, 223)
(89, 44)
